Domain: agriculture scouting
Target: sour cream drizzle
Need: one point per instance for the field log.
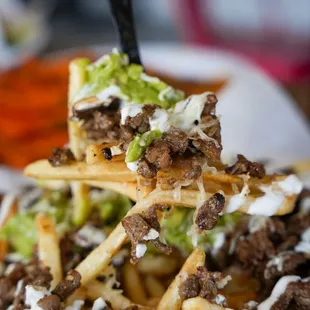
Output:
(277, 291)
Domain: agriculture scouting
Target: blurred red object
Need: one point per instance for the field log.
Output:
(275, 34)
(33, 105)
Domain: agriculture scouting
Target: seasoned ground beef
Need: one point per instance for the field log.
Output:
(244, 166)
(177, 140)
(209, 212)
(137, 227)
(146, 169)
(18, 276)
(51, 302)
(61, 157)
(158, 154)
(203, 283)
(67, 287)
(104, 124)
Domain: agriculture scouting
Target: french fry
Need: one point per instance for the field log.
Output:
(153, 302)
(94, 154)
(96, 289)
(153, 286)
(160, 265)
(199, 303)
(171, 299)
(101, 256)
(48, 247)
(133, 285)
(80, 171)
(79, 294)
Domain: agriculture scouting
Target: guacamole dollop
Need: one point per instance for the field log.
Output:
(133, 84)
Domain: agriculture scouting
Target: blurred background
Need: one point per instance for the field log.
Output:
(275, 35)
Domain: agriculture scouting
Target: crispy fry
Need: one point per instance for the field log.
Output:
(199, 303)
(171, 299)
(48, 247)
(153, 286)
(80, 171)
(133, 285)
(100, 257)
(97, 289)
(159, 265)
(94, 154)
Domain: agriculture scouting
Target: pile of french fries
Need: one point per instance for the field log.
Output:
(142, 283)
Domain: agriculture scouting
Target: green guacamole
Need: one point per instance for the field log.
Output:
(176, 227)
(134, 85)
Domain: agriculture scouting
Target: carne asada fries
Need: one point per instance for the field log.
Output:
(152, 219)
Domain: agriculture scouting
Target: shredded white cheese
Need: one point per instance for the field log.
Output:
(133, 166)
(140, 250)
(220, 299)
(236, 201)
(99, 304)
(152, 235)
(222, 283)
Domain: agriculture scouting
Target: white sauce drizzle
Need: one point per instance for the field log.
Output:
(76, 305)
(99, 304)
(130, 109)
(274, 196)
(133, 166)
(304, 245)
(34, 294)
(159, 120)
(151, 235)
(236, 201)
(277, 291)
(140, 250)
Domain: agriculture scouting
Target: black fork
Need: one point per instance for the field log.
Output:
(124, 23)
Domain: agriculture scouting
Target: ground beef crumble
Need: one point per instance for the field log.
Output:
(104, 124)
(61, 157)
(137, 226)
(209, 212)
(244, 166)
(203, 283)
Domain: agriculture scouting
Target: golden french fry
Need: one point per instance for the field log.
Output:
(80, 171)
(133, 285)
(79, 294)
(101, 256)
(96, 289)
(171, 299)
(94, 154)
(48, 247)
(154, 286)
(159, 265)
(199, 303)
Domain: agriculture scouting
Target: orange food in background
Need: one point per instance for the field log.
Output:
(33, 108)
